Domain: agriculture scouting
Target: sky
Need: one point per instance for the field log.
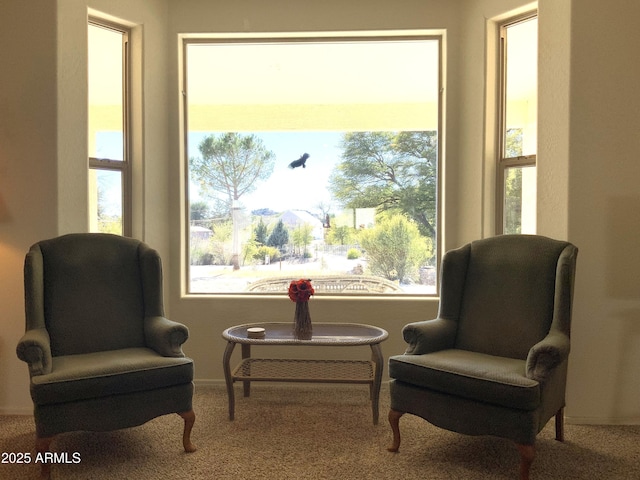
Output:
(299, 188)
(286, 189)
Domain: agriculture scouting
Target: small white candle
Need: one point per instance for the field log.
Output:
(255, 332)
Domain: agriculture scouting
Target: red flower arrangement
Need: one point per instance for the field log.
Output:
(300, 290)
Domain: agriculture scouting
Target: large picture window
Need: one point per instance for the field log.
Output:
(313, 158)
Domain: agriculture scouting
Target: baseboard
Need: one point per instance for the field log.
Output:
(207, 382)
(602, 420)
(17, 411)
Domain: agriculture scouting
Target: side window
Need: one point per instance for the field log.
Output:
(108, 136)
(518, 117)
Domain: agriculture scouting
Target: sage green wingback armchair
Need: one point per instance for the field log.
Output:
(494, 361)
(100, 352)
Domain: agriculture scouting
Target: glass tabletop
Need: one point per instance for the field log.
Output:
(281, 333)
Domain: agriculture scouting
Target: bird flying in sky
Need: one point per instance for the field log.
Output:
(299, 162)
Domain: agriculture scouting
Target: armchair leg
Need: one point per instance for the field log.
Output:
(189, 419)
(560, 425)
(43, 445)
(394, 421)
(527, 454)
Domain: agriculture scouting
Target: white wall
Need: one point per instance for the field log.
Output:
(588, 164)
(588, 173)
(28, 167)
(554, 54)
(604, 210)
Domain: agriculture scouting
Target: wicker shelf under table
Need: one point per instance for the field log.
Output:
(303, 370)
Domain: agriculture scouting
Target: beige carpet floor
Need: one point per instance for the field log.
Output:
(298, 431)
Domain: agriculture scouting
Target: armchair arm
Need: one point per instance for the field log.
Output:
(429, 336)
(165, 336)
(546, 355)
(35, 348)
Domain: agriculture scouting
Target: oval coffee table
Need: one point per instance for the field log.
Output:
(305, 370)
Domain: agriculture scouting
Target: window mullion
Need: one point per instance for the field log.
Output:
(521, 161)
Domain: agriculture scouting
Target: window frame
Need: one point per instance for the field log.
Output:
(122, 166)
(188, 39)
(503, 163)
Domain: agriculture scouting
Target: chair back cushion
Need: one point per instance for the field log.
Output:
(93, 293)
(508, 294)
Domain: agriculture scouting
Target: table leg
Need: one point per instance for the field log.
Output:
(246, 353)
(227, 377)
(376, 354)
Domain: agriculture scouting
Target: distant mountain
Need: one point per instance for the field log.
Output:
(263, 212)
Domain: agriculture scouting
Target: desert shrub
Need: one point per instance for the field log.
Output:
(353, 254)
(263, 250)
(395, 248)
(200, 255)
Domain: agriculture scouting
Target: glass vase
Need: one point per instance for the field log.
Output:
(302, 329)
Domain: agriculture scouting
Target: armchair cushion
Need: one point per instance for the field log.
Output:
(100, 374)
(486, 378)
